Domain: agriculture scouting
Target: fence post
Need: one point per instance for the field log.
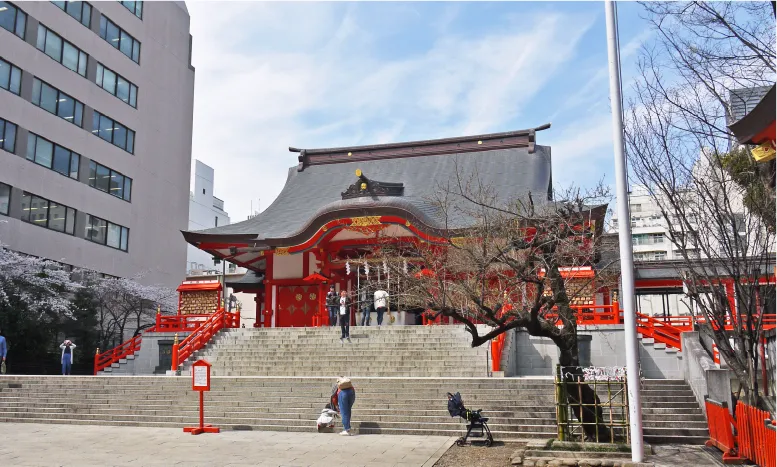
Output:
(561, 410)
(96, 357)
(175, 353)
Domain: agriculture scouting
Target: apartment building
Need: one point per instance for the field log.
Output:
(96, 103)
(205, 211)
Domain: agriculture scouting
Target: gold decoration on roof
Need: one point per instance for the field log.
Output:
(764, 152)
(282, 251)
(365, 221)
(458, 241)
(358, 172)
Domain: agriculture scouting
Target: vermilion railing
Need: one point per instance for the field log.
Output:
(202, 335)
(106, 359)
(756, 441)
(179, 323)
(721, 426)
(658, 330)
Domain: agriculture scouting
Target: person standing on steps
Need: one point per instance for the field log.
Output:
(381, 304)
(332, 304)
(346, 396)
(345, 317)
(3, 353)
(67, 356)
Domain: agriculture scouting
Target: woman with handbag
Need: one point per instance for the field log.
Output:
(346, 396)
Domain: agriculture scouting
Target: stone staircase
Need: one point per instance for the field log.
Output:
(280, 379)
(518, 408)
(399, 351)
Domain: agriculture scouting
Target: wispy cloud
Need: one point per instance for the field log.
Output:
(271, 75)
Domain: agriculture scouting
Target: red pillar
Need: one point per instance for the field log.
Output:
(268, 290)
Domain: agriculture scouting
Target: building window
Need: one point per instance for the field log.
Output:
(106, 233)
(217, 221)
(53, 156)
(117, 85)
(12, 19)
(119, 39)
(61, 50)
(81, 11)
(7, 136)
(47, 213)
(5, 198)
(10, 77)
(656, 238)
(136, 8)
(110, 181)
(57, 102)
(113, 132)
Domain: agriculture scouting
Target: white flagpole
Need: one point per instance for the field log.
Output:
(624, 237)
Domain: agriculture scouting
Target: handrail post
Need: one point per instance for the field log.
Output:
(175, 354)
(96, 360)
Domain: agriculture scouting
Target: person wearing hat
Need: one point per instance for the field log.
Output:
(67, 356)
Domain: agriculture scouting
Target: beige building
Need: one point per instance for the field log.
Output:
(96, 103)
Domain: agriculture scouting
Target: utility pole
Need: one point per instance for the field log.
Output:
(624, 236)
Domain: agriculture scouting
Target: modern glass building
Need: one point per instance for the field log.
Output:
(96, 103)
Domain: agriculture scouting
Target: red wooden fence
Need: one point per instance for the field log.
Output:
(756, 441)
(197, 339)
(755, 438)
(721, 426)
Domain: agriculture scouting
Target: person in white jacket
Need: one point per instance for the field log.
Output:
(67, 356)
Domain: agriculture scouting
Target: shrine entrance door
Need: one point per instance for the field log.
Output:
(297, 304)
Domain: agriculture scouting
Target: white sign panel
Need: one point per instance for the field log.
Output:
(200, 376)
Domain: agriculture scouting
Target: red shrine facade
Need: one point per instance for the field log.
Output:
(338, 204)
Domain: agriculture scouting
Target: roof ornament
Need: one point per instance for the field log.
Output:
(364, 187)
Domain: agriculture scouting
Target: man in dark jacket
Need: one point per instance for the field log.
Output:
(332, 304)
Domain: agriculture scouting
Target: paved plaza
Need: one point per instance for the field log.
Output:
(27, 444)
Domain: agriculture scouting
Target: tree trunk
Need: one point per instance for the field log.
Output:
(577, 394)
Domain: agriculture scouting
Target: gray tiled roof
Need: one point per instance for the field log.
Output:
(514, 173)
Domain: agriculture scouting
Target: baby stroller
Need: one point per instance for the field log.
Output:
(477, 425)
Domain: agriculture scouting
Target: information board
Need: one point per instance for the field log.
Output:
(201, 377)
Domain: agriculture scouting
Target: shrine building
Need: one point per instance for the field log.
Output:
(338, 203)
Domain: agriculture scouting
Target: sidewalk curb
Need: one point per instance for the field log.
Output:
(439, 452)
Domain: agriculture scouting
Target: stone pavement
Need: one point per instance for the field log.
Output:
(27, 444)
(675, 455)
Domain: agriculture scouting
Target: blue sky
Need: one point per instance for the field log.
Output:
(311, 75)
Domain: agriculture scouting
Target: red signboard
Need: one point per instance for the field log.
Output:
(201, 383)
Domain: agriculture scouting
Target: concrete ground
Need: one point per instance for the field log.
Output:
(674, 455)
(27, 444)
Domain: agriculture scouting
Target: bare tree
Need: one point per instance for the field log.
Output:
(679, 149)
(504, 270)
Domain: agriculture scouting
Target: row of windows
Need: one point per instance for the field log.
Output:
(48, 214)
(53, 156)
(110, 181)
(10, 77)
(113, 132)
(61, 50)
(81, 11)
(57, 102)
(5, 198)
(12, 19)
(136, 8)
(647, 239)
(56, 216)
(106, 233)
(117, 85)
(7, 136)
(120, 39)
(650, 256)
